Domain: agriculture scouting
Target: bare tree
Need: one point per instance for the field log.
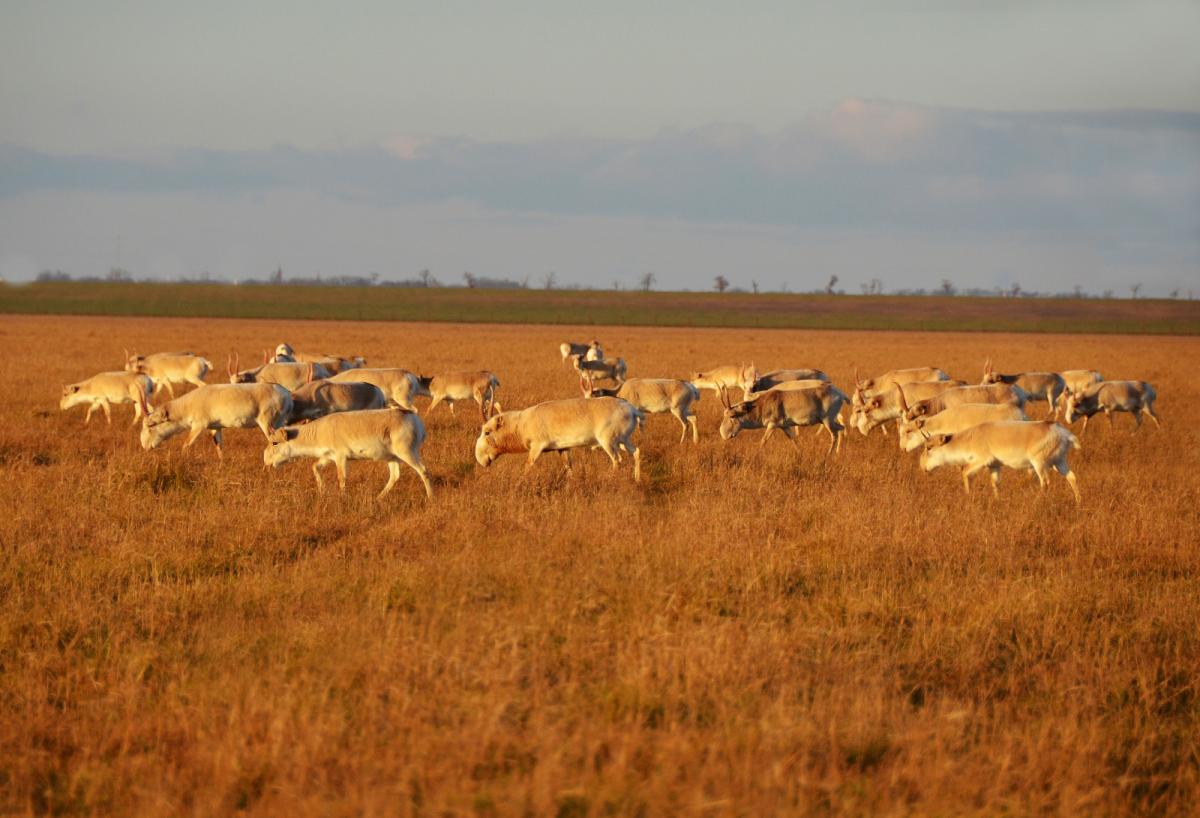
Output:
(829, 287)
(1135, 289)
(1174, 293)
(947, 287)
(549, 280)
(647, 282)
(720, 284)
(426, 277)
(470, 279)
(1015, 292)
(754, 287)
(1078, 291)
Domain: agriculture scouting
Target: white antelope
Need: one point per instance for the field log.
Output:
(996, 393)
(316, 399)
(1135, 397)
(655, 396)
(289, 375)
(787, 409)
(479, 386)
(391, 435)
(102, 390)
(1038, 445)
(954, 420)
(168, 368)
(562, 425)
(399, 385)
(590, 351)
(1038, 386)
(882, 407)
(214, 408)
(721, 379)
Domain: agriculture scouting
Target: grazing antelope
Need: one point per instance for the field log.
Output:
(654, 396)
(1038, 444)
(103, 390)
(721, 379)
(479, 386)
(1047, 386)
(954, 420)
(882, 407)
(168, 368)
(786, 410)
(881, 384)
(216, 407)
(392, 435)
(996, 393)
(399, 385)
(1077, 380)
(289, 375)
(1135, 397)
(316, 399)
(612, 369)
(562, 425)
(589, 352)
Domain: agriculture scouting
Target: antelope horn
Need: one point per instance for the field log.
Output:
(310, 373)
(903, 402)
(229, 365)
(266, 356)
(237, 363)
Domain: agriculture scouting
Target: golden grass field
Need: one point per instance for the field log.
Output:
(744, 633)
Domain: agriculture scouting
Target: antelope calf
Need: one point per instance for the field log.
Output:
(655, 396)
(1038, 445)
(103, 390)
(316, 399)
(1135, 397)
(1038, 386)
(562, 425)
(391, 435)
(214, 408)
(167, 368)
(399, 385)
(786, 410)
(479, 386)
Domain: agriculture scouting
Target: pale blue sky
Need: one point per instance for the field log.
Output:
(801, 137)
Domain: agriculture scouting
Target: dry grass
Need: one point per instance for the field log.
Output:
(744, 633)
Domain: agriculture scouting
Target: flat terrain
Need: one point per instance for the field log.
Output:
(608, 307)
(746, 632)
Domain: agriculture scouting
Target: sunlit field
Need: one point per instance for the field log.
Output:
(745, 632)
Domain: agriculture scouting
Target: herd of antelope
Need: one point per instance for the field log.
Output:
(334, 408)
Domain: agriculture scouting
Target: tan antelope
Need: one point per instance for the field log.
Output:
(721, 379)
(757, 383)
(391, 435)
(479, 386)
(590, 351)
(289, 375)
(882, 384)
(786, 410)
(399, 385)
(1077, 380)
(655, 396)
(1038, 445)
(913, 433)
(214, 408)
(316, 399)
(883, 407)
(997, 393)
(168, 368)
(562, 425)
(1135, 397)
(785, 386)
(102, 390)
(1038, 386)
(334, 363)
(612, 369)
